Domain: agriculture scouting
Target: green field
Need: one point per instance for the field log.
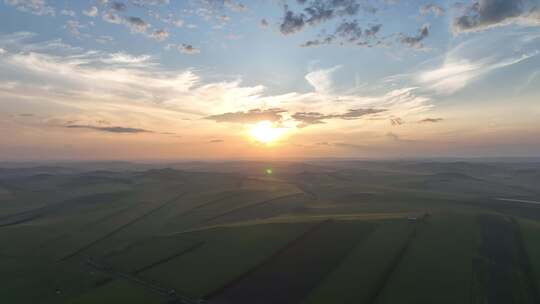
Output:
(341, 232)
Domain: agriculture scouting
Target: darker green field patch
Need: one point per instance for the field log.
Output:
(226, 254)
(293, 272)
(363, 274)
(504, 273)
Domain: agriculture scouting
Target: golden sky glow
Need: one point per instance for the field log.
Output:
(208, 82)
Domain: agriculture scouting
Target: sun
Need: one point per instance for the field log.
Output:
(266, 132)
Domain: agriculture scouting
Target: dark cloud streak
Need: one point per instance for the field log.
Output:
(416, 41)
(483, 14)
(251, 116)
(311, 118)
(430, 120)
(109, 129)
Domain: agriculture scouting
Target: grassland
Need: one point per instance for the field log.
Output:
(291, 273)
(362, 275)
(330, 232)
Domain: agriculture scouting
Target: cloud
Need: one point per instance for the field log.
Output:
(123, 87)
(183, 48)
(321, 80)
(66, 12)
(347, 29)
(188, 49)
(217, 10)
(228, 4)
(416, 41)
(357, 113)
(430, 120)
(36, 7)
(431, 9)
(452, 76)
(112, 18)
(216, 141)
(291, 23)
(311, 118)
(484, 14)
(476, 58)
(118, 6)
(118, 74)
(349, 32)
(396, 121)
(235, 6)
(74, 27)
(316, 12)
(2, 51)
(250, 116)
(121, 58)
(143, 3)
(104, 39)
(169, 19)
(136, 24)
(91, 11)
(109, 129)
(160, 35)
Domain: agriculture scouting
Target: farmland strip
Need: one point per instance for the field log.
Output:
(272, 257)
(121, 227)
(251, 206)
(389, 271)
(168, 258)
(291, 275)
(525, 263)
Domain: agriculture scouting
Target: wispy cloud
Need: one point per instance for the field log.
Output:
(92, 81)
(216, 141)
(183, 48)
(74, 27)
(313, 118)
(476, 58)
(431, 8)
(188, 49)
(127, 130)
(322, 80)
(91, 11)
(67, 12)
(431, 120)
(36, 7)
(160, 35)
(251, 116)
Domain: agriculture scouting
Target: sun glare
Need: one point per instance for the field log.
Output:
(265, 132)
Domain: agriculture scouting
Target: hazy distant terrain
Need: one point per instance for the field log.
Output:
(271, 232)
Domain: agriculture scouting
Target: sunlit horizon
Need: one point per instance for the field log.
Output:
(258, 79)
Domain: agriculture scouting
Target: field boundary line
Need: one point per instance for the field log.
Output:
(168, 258)
(121, 227)
(268, 260)
(391, 268)
(257, 204)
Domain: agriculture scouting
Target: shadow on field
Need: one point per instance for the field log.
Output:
(503, 273)
(291, 273)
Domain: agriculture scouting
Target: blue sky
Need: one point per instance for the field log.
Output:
(339, 78)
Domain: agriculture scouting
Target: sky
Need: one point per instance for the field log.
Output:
(269, 79)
